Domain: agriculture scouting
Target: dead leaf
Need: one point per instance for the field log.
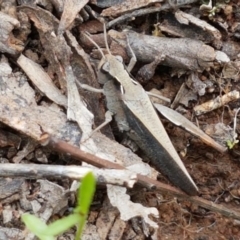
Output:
(70, 11)
(128, 209)
(41, 80)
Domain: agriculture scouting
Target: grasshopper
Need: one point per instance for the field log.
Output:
(146, 129)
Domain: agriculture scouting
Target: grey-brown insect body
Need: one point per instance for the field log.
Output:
(147, 129)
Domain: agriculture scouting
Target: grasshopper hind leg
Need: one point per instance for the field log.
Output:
(159, 156)
(108, 119)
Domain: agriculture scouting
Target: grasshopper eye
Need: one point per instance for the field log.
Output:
(106, 67)
(119, 58)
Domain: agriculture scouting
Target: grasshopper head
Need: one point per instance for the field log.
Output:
(113, 65)
(110, 62)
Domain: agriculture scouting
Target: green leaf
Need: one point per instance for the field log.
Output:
(85, 197)
(36, 226)
(86, 193)
(62, 225)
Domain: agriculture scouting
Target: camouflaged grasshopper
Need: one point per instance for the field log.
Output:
(145, 126)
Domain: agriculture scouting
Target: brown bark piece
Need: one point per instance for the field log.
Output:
(180, 53)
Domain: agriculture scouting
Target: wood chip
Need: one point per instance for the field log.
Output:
(215, 103)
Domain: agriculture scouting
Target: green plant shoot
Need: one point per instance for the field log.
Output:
(84, 199)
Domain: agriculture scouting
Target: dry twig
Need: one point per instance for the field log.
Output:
(145, 181)
(103, 176)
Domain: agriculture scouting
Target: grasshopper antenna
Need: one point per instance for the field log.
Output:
(105, 38)
(87, 35)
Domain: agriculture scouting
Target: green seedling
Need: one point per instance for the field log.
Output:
(231, 144)
(84, 199)
(210, 10)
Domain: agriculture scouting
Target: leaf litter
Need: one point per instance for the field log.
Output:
(44, 57)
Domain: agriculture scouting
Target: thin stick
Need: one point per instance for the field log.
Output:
(136, 13)
(147, 182)
(141, 12)
(105, 38)
(37, 171)
(87, 35)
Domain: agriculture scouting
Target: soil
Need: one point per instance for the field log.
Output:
(216, 174)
